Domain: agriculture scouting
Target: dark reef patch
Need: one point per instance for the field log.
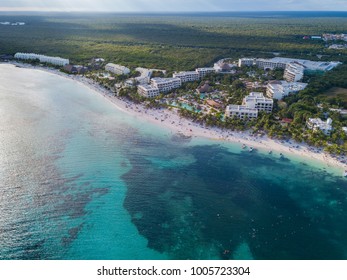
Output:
(223, 199)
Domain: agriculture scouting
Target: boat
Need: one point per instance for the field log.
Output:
(243, 146)
(345, 173)
(270, 152)
(251, 149)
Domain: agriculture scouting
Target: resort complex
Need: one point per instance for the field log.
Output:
(192, 94)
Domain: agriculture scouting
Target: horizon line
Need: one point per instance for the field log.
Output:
(156, 12)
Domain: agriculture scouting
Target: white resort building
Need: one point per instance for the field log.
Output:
(158, 85)
(318, 124)
(273, 63)
(117, 69)
(148, 91)
(204, 71)
(280, 89)
(240, 111)
(166, 84)
(42, 58)
(281, 62)
(294, 72)
(188, 76)
(256, 100)
(246, 62)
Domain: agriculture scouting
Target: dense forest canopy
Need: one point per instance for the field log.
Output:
(173, 42)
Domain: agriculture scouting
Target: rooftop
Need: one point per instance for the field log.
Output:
(147, 87)
(241, 108)
(293, 86)
(165, 80)
(308, 64)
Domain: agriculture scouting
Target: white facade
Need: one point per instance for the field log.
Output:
(281, 62)
(204, 71)
(148, 91)
(270, 63)
(187, 76)
(280, 89)
(117, 69)
(166, 84)
(42, 58)
(240, 111)
(256, 100)
(294, 72)
(318, 124)
(246, 62)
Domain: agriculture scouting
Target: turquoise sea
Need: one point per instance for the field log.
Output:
(80, 179)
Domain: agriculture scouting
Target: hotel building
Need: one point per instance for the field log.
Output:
(246, 62)
(42, 58)
(270, 63)
(281, 62)
(280, 89)
(240, 111)
(166, 84)
(293, 72)
(148, 91)
(204, 71)
(117, 69)
(189, 76)
(256, 100)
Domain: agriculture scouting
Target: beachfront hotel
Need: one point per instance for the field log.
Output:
(42, 58)
(280, 89)
(148, 91)
(117, 69)
(158, 85)
(241, 111)
(188, 76)
(317, 124)
(166, 84)
(256, 100)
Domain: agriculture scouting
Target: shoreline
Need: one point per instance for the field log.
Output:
(170, 120)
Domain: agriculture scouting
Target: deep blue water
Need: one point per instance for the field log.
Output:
(82, 180)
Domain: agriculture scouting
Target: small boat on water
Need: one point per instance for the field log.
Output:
(345, 173)
(251, 149)
(270, 152)
(243, 146)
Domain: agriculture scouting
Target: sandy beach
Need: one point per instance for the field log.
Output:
(171, 120)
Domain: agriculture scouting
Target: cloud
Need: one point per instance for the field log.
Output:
(172, 5)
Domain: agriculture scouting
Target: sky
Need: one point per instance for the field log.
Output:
(172, 5)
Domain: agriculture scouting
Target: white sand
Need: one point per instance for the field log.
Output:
(172, 121)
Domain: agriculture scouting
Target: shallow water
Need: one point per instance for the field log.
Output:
(82, 180)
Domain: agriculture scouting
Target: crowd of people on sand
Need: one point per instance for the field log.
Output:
(176, 124)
